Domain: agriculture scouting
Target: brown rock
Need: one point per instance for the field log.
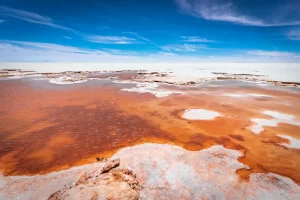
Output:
(110, 165)
(82, 178)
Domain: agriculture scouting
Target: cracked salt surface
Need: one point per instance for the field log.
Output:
(293, 142)
(199, 114)
(150, 88)
(278, 117)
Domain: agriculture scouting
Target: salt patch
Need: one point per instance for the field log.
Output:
(204, 174)
(66, 80)
(262, 84)
(199, 114)
(294, 143)
(279, 115)
(150, 88)
(277, 118)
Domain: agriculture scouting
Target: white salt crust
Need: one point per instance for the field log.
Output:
(293, 142)
(199, 114)
(167, 171)
(150, 88)
(278, 117)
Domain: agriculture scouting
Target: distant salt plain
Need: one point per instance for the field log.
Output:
(273, 71)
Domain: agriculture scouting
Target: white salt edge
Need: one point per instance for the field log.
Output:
(199, 114)
(65, 80)
(278, 115)
(277, 118)
(294, 143)
(150, 88)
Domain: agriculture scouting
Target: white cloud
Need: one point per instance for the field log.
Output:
(31, 17)
(1, 21)
(111, 39)
(225, 11)
(294, 34)
(35, 51)
(21, 51)
(137, 36)
(45, 46)
(271, 53)
(182, 47)
(195, 39)
(67, 37)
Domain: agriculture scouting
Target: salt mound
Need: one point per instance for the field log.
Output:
(199, 114)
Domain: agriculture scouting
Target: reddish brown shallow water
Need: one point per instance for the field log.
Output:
(46, 127)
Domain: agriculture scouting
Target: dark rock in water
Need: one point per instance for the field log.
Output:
(99, 159)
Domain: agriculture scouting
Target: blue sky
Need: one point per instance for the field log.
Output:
(154, 31)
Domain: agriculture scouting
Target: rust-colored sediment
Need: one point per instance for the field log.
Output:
(44, 130)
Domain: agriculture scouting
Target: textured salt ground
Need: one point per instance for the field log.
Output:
(167, 172)
(205, 174)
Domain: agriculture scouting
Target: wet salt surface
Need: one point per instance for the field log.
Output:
(277, 118)
(90, 83)
(199, 114)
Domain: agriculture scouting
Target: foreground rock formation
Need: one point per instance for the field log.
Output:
(106, 183)
(155, 171)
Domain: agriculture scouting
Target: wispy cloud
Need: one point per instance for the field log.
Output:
(111, 39)
(183, 47)
(271, 53)
(137, 35)
(294, 34)
(195, 39)
(67, 37)
(46, 46)
(225, 11)
(20, 51)
(31, 17)
(1, 21)
(36, 51)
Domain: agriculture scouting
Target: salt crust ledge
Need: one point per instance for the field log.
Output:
(168, 171)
